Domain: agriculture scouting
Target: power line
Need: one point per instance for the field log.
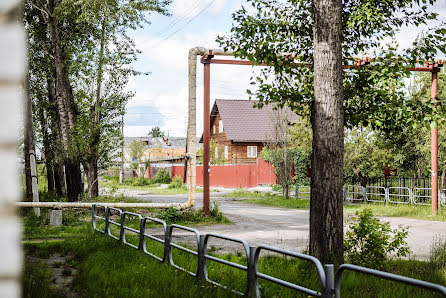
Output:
(177, 20)
(187, 23)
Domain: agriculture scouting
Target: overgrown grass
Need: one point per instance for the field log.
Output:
(107, 268)
(110, 269)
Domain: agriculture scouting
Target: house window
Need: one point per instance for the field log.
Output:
(216, 152)
(213, 129)
(252, 151)
(226, 152)
(220, 126)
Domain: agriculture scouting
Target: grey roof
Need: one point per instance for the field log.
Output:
(243, 122)
(159, 142)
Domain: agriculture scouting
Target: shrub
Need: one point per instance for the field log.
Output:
(162, 176)
(276, 187)
(368, 242)
(177, 182)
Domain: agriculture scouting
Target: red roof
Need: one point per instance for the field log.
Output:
(243, 122)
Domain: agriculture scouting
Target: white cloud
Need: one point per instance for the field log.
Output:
(188, 9)
(166, 89)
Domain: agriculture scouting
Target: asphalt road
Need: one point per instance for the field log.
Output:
(287, 228)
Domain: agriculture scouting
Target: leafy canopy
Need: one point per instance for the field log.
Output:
(280, 34)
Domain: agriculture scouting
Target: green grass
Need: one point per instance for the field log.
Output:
(395, 210)
(107, 268)
(153, 189)
(392, 210)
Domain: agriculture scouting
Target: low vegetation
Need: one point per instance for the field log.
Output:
(152, 186)
(369, 242)
(106, 268)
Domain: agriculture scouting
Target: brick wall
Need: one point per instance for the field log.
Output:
(12, 71)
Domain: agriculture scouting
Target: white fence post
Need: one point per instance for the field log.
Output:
(12, 74)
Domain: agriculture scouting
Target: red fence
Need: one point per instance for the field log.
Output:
(243, 176)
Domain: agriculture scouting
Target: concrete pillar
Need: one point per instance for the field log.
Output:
(55, 217)
(12, 73)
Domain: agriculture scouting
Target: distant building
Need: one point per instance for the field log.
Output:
(241, 130)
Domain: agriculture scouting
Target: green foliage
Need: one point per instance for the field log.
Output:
(295, 158)
(218, 159)
(177, 182)
(369, 242)
(156, 132)
(374, 96)
(162, 176)
(140, 181)
(191, 215)
(276, 187)
(136, 150)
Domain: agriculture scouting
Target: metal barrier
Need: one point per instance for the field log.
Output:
(195, 253)
(330, 284)
(144, 235)
(377, 194)
(303, 192)
(224, 262)
(94, 216)
(384, 275)
(419, 196)
(108, 222)
(442, 197)
(357, 193)
(316, 262)
(125, 228)
(400, 195)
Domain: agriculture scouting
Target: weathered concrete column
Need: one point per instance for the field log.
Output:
(12, 73)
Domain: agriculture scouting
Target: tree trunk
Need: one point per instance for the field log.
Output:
(66, 109)
(91, 169)
(327, 119)
(27, 144)
(59, 176)
(91, 163)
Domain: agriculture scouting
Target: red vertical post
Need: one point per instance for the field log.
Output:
(206, 131)
(434, 146)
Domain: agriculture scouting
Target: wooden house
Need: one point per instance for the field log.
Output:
(240, 129)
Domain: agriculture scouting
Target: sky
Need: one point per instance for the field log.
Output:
(161, 97)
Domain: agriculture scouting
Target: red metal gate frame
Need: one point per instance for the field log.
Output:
(433, 68)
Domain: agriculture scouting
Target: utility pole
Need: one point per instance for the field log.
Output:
(121, 174)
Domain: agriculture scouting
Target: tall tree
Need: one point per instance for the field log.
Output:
(105, 67)
(282, 33)
(327, 120)
(156, 132)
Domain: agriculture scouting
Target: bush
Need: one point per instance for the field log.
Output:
(276, 187)
(191, 215)
(368, 242)
(177, 182)
(162, 176)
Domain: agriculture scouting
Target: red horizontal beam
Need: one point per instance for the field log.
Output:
(429, 68)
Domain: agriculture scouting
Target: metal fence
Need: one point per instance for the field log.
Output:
(329, 282)
(393, 195)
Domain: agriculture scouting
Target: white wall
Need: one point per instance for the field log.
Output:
(12, 71)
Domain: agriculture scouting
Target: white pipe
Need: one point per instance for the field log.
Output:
(60, 205)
